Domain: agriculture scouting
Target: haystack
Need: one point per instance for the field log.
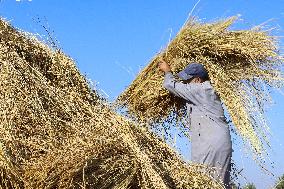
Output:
(243, 66)
(57, 133)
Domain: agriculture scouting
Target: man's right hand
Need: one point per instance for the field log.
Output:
(164, 66)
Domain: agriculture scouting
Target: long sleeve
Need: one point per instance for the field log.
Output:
(188, 92)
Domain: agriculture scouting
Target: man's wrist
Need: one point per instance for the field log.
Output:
(167, 72)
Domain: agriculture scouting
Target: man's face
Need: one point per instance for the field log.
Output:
(194, 80)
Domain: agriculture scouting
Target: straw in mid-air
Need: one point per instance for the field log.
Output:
(242, 64)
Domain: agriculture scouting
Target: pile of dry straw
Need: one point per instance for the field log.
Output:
(243, 65)
(57, 133)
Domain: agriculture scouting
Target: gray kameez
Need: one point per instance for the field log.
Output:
(210, 136)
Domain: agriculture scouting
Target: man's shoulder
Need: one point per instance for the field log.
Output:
(208, 88)
(207, 85)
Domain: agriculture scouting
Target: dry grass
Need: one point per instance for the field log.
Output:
(242, 66)
(57, 133)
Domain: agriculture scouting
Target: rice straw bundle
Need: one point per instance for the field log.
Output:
(57, 133)
(241, 65)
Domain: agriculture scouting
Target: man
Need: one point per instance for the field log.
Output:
(210, 136)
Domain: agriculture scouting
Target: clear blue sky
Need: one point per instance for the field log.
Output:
(112, 40)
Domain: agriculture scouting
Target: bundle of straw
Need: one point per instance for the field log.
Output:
(57, 133)
(241, 64)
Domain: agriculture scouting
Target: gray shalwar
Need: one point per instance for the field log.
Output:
(210, 136)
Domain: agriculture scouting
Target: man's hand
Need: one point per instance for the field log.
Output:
(164, 66)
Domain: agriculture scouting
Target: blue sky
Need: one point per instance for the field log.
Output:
(112, 40)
